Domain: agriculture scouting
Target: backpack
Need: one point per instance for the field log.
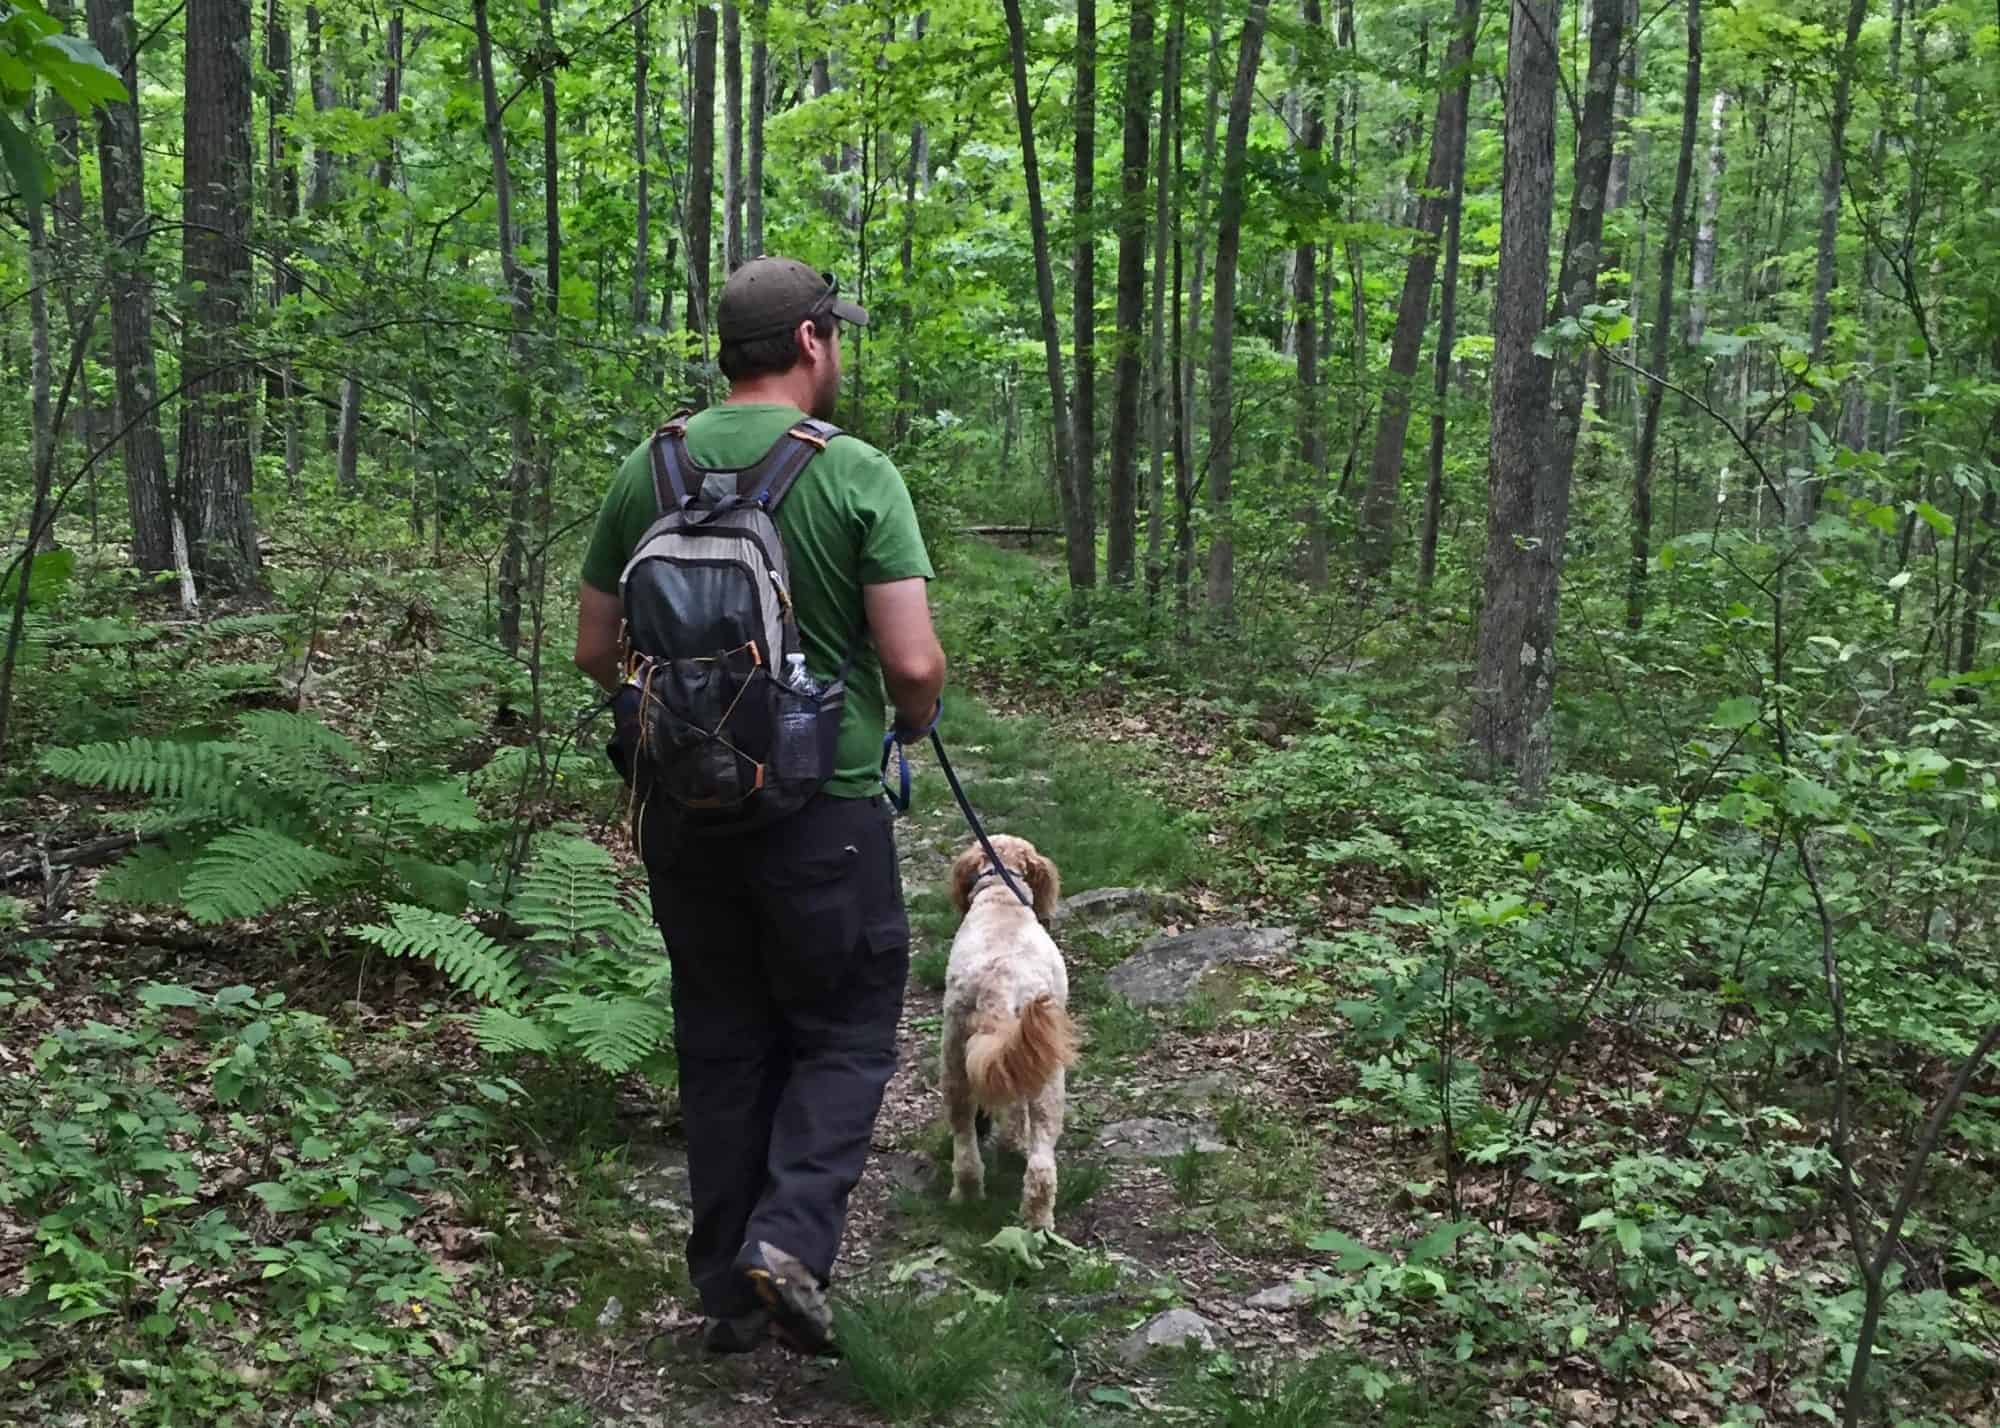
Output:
(731, 729)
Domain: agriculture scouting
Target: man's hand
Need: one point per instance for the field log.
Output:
(899, 619)
(598, 617)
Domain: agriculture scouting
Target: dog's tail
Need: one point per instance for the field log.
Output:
(1011, 1056)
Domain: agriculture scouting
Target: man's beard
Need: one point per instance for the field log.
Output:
(826, 398)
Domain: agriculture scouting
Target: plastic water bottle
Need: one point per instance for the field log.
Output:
(797, 676)
(797, 754)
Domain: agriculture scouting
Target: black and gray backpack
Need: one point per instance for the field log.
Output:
(732, 730)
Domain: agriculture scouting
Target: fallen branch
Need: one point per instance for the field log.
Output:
(89, 855)
(1027, 532)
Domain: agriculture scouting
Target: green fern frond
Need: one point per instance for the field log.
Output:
(570, 891)
(613, 1034)
(299, 735)
(152, 875)
(253, 870)
(440, 886)
(473, 961)
(500, 1033)
(442, 805)
(503, 771)
(226, 625)
(199, 777)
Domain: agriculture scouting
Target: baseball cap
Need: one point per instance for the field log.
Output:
(767, 296)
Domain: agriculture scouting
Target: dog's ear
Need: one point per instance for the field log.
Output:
(1045, 883)
(964, 873)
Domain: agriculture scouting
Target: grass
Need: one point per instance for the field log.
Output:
(917, 1359)
(1334, 1390)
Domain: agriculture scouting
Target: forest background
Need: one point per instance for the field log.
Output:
(1532, 471)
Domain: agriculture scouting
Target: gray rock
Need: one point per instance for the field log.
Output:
(1173, 1329)
(1170, 970)
(1112, 909)
(1278, 1296)
(610, 1314)
(1149, 1138)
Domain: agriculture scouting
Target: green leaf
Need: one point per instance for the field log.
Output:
(278, 1199)
(1353, 1254)
(1628, 1235)
(1738, 713)
(1441, 1240)
(170, 994)
(24, 161)
(1113, 1397)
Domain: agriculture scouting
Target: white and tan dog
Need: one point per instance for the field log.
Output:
(1007, 1032)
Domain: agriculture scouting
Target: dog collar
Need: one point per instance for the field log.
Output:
(991, 872)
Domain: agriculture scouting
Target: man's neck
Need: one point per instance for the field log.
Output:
(771, 390)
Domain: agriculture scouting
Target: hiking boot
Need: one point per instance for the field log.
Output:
(738, 1335)
(797, 1303)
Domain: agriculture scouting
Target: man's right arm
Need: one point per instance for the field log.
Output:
(913, 668)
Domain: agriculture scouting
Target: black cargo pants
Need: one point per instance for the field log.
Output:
(790, 951)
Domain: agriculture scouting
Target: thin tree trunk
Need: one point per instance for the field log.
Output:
(1375, 539)
(1447, 334)
(1663, 317)
(732, 147)
(121, 174)
(1081, 557)
(1516, 631)
(1158, 376)
(913, 175)
(1221, 376)
(1084, 296)
(700, 200)
(1305, 343)
(1802, 500)
(319, 75)
(642, 241)
(348, 442)
(1139, 64)
(760, 89)
(551, 170)
(520, 476)
(283, 185)
(1211, 125)
(1701, 268)
(214, 454)
(42, 436)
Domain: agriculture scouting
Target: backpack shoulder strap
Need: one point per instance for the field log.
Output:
(768, 482)
(670, 465)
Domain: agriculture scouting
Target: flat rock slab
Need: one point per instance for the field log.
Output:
(1169, 971)
(1149, 1138)
(1278, 1297)
(1173, 1329)
(1114, 909)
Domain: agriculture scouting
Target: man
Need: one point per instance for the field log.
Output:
(789, 945)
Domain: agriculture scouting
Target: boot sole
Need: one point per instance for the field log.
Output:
(799, 1315)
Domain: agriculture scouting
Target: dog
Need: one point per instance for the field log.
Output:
(1008, 1038)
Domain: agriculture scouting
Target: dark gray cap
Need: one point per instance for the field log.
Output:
(767, 296)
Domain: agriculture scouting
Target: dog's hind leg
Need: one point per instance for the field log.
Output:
(1045, 1123)
(968, 1171)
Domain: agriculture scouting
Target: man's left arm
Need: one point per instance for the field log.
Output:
(598, 617)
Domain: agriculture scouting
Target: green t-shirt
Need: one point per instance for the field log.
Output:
(847, 522)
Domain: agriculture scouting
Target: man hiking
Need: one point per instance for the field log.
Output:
(787, 931)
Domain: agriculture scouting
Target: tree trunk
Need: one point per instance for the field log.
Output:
(520, 476)
(913, 179)
(348, 442)
(1221, 384)
(1375, 539)
(1084, 296)
(1120, 550)
(642, 241)
(1663, 317)
(1517, 625)
(1157, 374)
(1082, 572)
(1701, 268)
(701, 177)
(283, 185)
(319, 75)
(760, 91)
(214, 476)
(42, 436)
(1447, 334)
(1802, 500)
(1305, 342)
(732, 142)
(551, 170)
(121, 174)
(1211, 124)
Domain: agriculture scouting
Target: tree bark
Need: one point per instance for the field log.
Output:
(121, 175)
(642, 240)
(1120, 550)
(1084, 295)
(1305, 342)
(1211, 124)
(732, 148)
(760, 88)
(319, 75)
(1158, 376)
(1221, 384)
(1663, 317)
(42, 436)
(551, 168)
(214, 475)
(1447, 335)
(701, 177)
(1516, 627)
(1375, 539)
(1701, 268)
(348, 442)
(282, 160)
(1802, 500)
(1081, 561)
(914, 180)
(520, 476)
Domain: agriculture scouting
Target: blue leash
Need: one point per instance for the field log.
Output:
(891, 744)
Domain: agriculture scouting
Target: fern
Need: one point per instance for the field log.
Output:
(199, 777)
(298, 736)
(443, 806)
(569, 892)
(613, 1034)
(253, 870)
(500, 1033)
(151, 875)
(474, 962)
